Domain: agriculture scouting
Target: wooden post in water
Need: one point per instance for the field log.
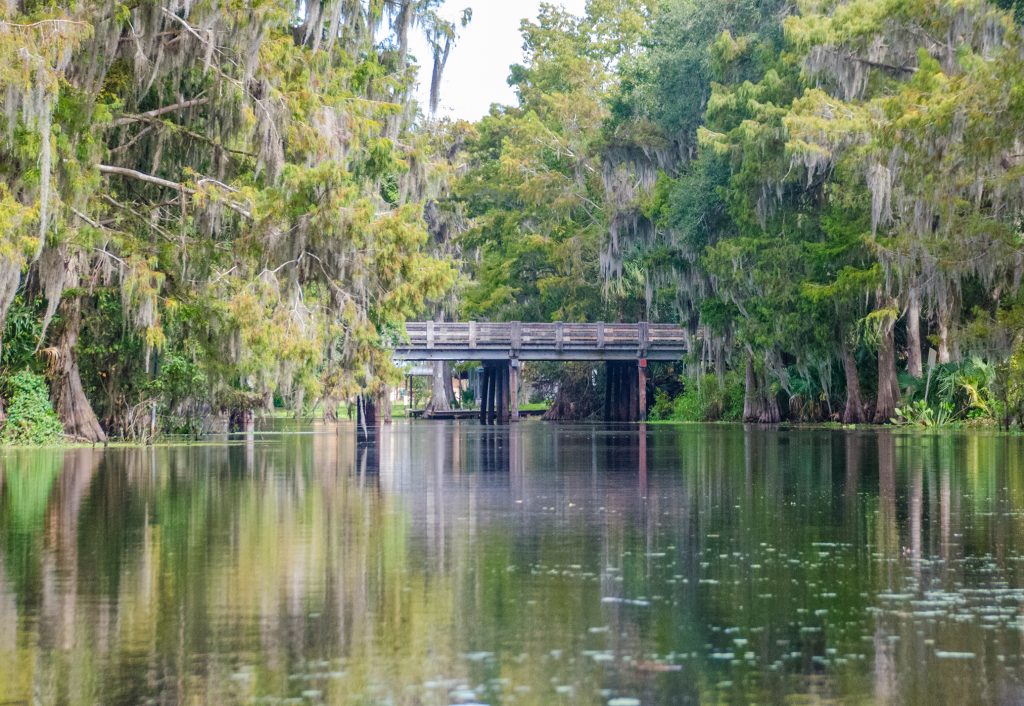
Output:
(634, 398)
(502, 369)
(608, 373)
(484, 385)
(492, 384)
(642, 391)
(513, 386)
(623, 397)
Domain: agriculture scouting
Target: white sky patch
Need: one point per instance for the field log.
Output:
(477, 71)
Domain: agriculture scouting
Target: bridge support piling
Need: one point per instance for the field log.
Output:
(513, 388)
(625, 391)
(608, 392)
(485, 382)
(634, 392)
(621, 394)
(498, 404)
(504, 390)
(492, 391)
(642, 390)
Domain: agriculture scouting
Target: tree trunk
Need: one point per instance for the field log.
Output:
(770, 413)
(10, 277)
(854, 413)
(384, 407)
(751, 402)
(759, 404)
(441, 388)
(888, 386)
(331, 408)
(914, 364)
(944, 348)
(69, 398)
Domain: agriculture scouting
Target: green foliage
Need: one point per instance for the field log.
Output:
(31, 420)
(533, 190)
(703, 399)
(254, 206)
(21, 334)
(819, 167)
(966, 388)
(920, 413)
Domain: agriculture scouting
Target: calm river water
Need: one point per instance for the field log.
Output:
(543, 564)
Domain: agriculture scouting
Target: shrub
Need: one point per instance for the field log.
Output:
(30, 417)
(704, 399)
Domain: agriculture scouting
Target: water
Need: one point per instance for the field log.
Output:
(539, 565)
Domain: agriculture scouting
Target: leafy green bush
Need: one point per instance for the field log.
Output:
(31, 420)
(962, 391)
(920, 414)
(966, 386)
(1008, 389)
(180, 389)
(21, 334)
(704, 399)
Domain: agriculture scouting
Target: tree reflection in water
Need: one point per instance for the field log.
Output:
(534, 564)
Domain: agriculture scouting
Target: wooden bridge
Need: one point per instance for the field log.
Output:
(559, 341)
(625, 348)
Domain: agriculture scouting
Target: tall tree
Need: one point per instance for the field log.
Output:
(245, 178)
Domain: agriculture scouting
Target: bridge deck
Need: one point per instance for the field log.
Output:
(559, 341)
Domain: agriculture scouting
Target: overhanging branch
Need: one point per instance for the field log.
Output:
(167, 184)
(156, 113)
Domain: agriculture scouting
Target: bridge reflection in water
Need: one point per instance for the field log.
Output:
(537, 561)
(497, 450)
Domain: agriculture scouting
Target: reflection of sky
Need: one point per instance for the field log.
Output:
(477, 71)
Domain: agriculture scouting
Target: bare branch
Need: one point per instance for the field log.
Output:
(156, 113)
(181, 188)
(140, 176)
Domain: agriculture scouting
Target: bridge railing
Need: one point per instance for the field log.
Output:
(526, 336)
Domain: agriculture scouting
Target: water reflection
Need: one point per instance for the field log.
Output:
(537, 564)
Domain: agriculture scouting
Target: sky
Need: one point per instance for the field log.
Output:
(477, 71)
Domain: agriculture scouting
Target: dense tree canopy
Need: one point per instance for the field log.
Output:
(214, 207)
(217, 203)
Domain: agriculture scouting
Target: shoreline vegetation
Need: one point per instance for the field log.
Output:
(239, 438)
(220, 211)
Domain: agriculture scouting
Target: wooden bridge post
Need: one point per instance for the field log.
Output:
(502, 369)
(492, 384)
(484, 391)
(513, 387)
(625, 389)
(608, 368)
(634, 395)
(642, 389)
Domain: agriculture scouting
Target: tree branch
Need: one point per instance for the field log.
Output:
(148, 178)
(150, 114)
(181, 188)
